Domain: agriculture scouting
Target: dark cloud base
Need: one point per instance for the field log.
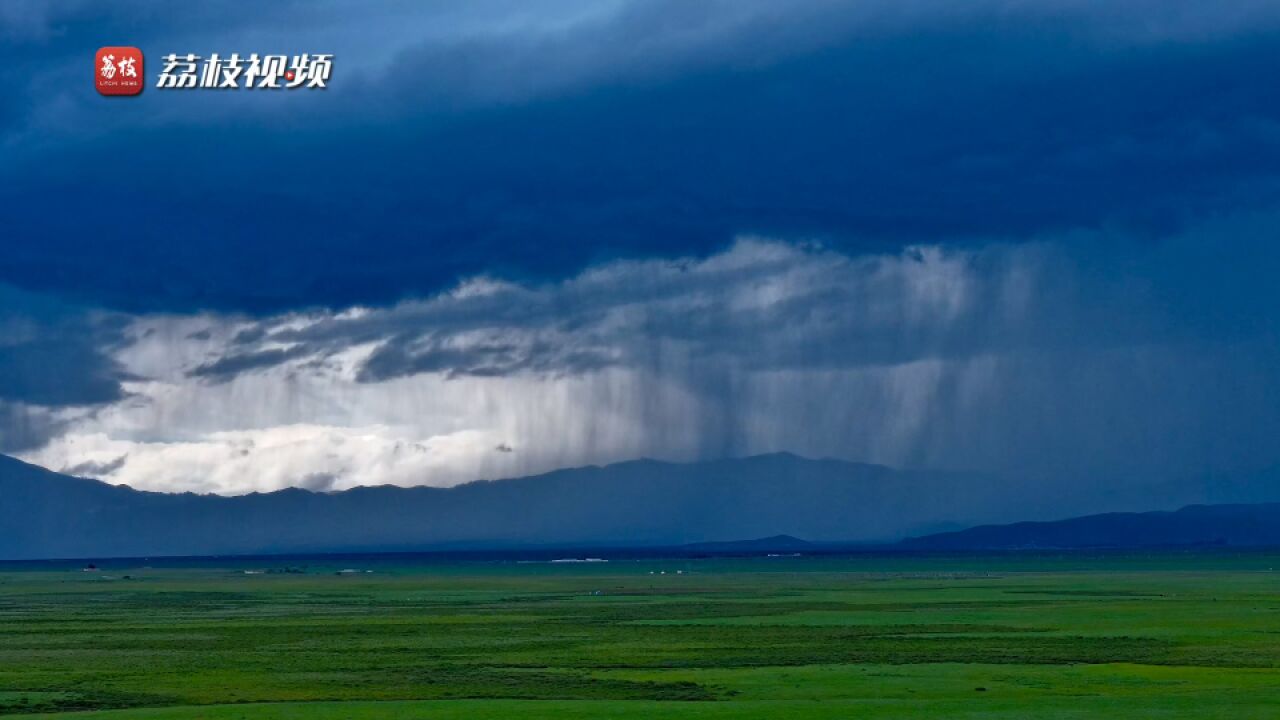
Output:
(956, 126)
(1132, 150)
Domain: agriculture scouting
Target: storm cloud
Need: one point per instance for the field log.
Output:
(55, 361)
(1025, 238)
(530, 141)
(1027, 358)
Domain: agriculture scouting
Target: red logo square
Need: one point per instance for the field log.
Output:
(118, 71)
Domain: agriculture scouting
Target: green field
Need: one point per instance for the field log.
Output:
(1074, 636)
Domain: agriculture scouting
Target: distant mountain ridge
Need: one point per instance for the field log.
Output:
(1234, 525)
(44, 514)
(776, 498)
(777, 543)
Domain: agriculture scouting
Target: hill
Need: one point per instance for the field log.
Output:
(775, 544)
(1195, 525)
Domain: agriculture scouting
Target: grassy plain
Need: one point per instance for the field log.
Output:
(1172, 635)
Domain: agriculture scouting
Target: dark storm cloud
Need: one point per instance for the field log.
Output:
(491, 139)
(318, 482)
(764, 307)
(231, 365)
(1015, 236)
(23, 427)
(96, 469)
(1072, 359)
(57, 372)
(406, 355)
(54, 354)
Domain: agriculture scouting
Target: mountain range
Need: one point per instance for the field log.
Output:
(642, 503)
(45, 514)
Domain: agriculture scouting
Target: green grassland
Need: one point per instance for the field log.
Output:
(1170, 635)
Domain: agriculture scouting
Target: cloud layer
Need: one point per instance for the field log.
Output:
(530, 141)
(1024, 358)
(1033, 238)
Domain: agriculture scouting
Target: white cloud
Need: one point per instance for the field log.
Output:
(509, 373)
(239, 461)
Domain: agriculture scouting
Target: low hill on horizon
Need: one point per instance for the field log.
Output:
(777, 543)
(1232, 525)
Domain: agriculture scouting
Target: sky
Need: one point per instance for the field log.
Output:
(1026, 238)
